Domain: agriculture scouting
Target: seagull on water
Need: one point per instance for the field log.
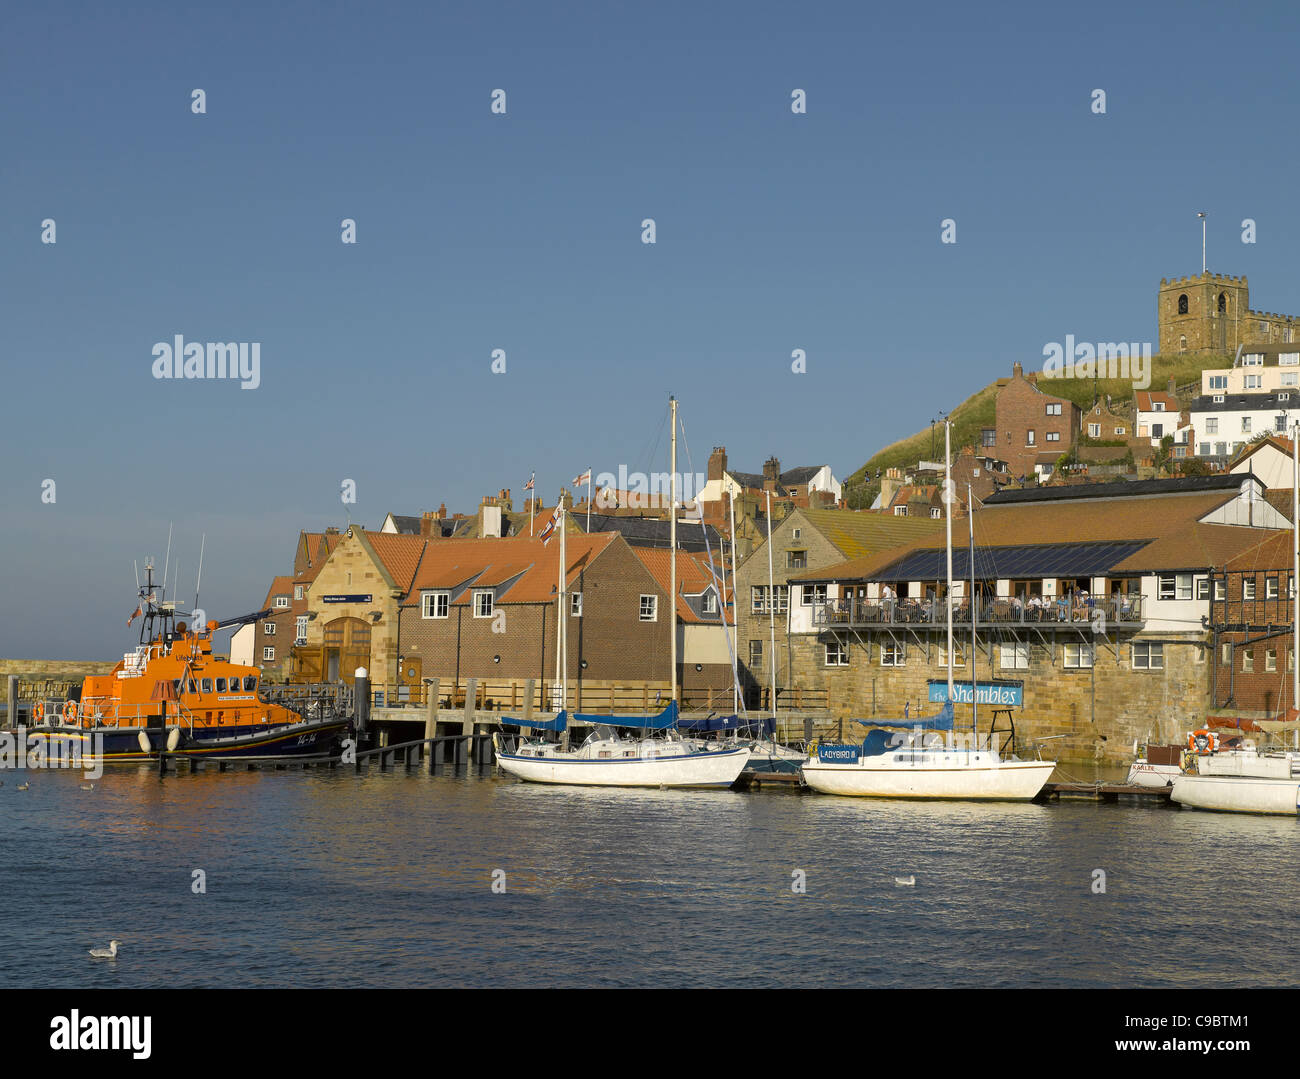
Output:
(23, 786)
(905, 882)
(88, 786)
(106, 953)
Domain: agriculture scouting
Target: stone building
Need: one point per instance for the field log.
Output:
(1091, 605)
(1210, 312)
(805, 540)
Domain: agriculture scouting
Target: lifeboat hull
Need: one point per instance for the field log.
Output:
(218, 743)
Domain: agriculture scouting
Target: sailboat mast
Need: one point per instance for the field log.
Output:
(672, 545)
(771, 607)
(947, 505)
(735, 687)
(974, 646)
(1295, 570)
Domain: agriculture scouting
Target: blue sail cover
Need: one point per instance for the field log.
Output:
(710, 723)
(558, 722)
(941, 722)
(662, 722)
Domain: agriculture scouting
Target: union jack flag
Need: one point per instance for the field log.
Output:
(529, 485)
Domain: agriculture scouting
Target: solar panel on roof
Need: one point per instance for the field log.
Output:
(992, 563)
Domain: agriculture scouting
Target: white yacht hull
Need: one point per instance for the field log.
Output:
(1142, 774)
(709, 769)
(1004, 781)
(1237, 794)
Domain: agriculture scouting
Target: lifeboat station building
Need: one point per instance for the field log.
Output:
(1090, 610)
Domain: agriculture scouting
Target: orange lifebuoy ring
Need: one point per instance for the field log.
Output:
(1203, 742)
(38, 711)
(69, 711)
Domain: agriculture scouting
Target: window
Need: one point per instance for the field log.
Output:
(1218, 382)
(1248, 588)
(893, 655)
(1270, 588)
(1279, 424)
(989, 436)
(1220, 589)
(798, 532)
(755, 654)
(782, 598)
(649, 608)
(1288, 359)
(1289, 378)
(1254, 382)
(250, 683)
(575, 604)
(434, 604)
(1157, 406)
(1053, 410)
(1212, 425)
(1245, 425)
(1013, 657)
(1182, 303)
(958, 655)
(221, 685)
(900, 511)
(758, 599)
(1148, 656)
(297, 591)
(1182, 343)
(1223, 303)
(483, 604)
(813, 594)
(1183, 589)
(1248, 660)
(936, 512)
(1218, 398)
(268, 628)
(206, 683)
(1202, 588)
(1119, 430)
(268, 654)
(1270, 659)
(1226, 655)
(281, 601)
(1077, 657)
(1029, 437)
(837, 655)
(796, 560)
(1254, 359)
(1204, 449)
(1263, 326)
(1094, 430)
(1157, 430)
(300, 629)
(1053, 436)
(710, 603)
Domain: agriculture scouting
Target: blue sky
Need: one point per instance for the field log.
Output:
(522, 232)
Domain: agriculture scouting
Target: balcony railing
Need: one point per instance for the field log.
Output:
(853, 612)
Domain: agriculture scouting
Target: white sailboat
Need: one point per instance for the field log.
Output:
(928, 766)
(1248, 781)
(607, 757)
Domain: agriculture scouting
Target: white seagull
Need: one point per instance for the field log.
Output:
(905, 882)
(88, 786)
(23, 786)
(106, 953)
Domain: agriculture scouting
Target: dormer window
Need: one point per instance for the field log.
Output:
(483, 604)
(281, 601)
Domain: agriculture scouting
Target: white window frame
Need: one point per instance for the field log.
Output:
(483, 600)
(268, 654)
(575, 604)
(268, 629)
(649, 612)
(839, 657)
(297, 591)
(1147, 656)
(281, 602)
(709, 602)
(893, 655)
(300, 629)
(435, 604)
(1248, 588)
(1017, 652)
(812, 595)
(1077, 657)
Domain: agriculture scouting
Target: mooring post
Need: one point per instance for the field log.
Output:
(431, 723)
(361, 702)
(467, 725)
(11, 716)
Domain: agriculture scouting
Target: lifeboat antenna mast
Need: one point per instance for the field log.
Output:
(199, 579)
(167, 561)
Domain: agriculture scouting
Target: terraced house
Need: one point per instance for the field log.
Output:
(1091, 608)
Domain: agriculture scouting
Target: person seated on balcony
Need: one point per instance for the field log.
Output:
(1062, 608)
(1035, 608)
(1082, 605)
(1017, 608)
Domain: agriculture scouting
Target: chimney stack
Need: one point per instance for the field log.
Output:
(717, 462)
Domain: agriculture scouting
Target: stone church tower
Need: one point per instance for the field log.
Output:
(1211, 313)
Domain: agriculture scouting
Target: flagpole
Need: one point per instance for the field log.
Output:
(589, 501)
(532, 494)
(735, 688)
(672, 559)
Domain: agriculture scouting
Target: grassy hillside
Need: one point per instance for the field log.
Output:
(977, 412)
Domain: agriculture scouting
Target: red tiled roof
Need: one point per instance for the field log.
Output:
(400, 555)
(693, 577)
(280, 586)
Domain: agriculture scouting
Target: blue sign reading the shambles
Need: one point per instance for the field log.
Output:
(1007, 694)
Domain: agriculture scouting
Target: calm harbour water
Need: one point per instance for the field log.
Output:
(331, 879)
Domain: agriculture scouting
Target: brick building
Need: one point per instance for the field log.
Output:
(1029, 422)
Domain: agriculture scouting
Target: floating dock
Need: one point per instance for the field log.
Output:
(1103, 792)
